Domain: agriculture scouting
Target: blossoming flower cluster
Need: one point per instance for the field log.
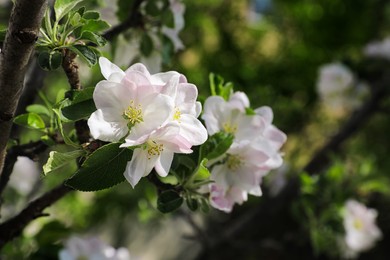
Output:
(91, 248)
(339, 89)
(361, 232)
(156, 115)
(254, 152)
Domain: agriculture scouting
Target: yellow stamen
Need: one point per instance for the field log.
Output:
(357, 223)
(133, 114)
(233, 162)
(229, 128)
(154, 149)
(177, 114)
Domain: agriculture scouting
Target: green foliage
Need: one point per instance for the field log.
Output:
(169, 201)
(63, 7)
(39, 109)
(103, 169)
(89, 54)
(216, 145)
(30, 120)
(219, 87)
(50, 60)
(146, 45)
(57, 160)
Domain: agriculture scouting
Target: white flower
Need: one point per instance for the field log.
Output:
(25, 175)
(128, 106)
(91, 248)
(361, 231)
(156, 152)
(378, 49)
(338, 88)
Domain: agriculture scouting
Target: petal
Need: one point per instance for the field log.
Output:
(186, 98)
(104, 129)
(139, 166)
(107, 68)
(139, 67)
(239, 100)
(277, 138)
(109, 94)
(266, 113)
(213, 113)
(192, 129)
(164, 77)
(163, 163)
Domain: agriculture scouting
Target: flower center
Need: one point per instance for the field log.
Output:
(357, 223)
(229, 128)
(133, 114)
(154, 149)
(233, 162)
(177, 114)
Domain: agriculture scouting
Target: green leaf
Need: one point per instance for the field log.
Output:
(95, 26)
(102, 169)
(38, 109)
(67, 140)
(218, 86)
(151, 8)
(30, 120)
(50, 60)
(75, 20)
(82, 95)
(86, 53)
(58, 160)
(91, 15)
(146, 45)
(94, 38)
(62, 7)
(216, 145)
(168, 201)
(123, 9)
(202, 173)
(168, 19)
(79, 110)
(192, 204)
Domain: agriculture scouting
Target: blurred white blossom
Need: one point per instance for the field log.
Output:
(339, 89)
(361, 232)
(24, 175)
(378, 49)
(91, 248)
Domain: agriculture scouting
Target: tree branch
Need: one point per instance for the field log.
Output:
(23, 30)
(14, 226)
(30, 150)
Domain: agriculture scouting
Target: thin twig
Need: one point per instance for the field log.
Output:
(14, 226)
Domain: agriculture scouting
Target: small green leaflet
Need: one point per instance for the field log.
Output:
(58, 160)
(30, 120)
(62, 7)
(168, 201)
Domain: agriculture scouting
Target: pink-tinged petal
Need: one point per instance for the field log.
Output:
(103, 128)
(116, 77)
(218, 199)
(163, 78)
(169, 136)
(266, 113)
(256, 191)
(109, 94)
(186, 98)
(139, 67)
(140, 83)
(213, 113)
(139, 166)
(198, 109)
(192, 130)
(163, 163)
(277, 138)
(249, 127)
(239, 100)
(157, 109)
(107, 68)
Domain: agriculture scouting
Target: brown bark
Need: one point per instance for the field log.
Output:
(19, 43)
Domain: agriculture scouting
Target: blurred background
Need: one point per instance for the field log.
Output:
(273, 50)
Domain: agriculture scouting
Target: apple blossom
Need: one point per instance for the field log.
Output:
(339, 89)
(129, 109)
(361, 232)
(156, 152)
(91, 248)
(178, 9)
(25, 175)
